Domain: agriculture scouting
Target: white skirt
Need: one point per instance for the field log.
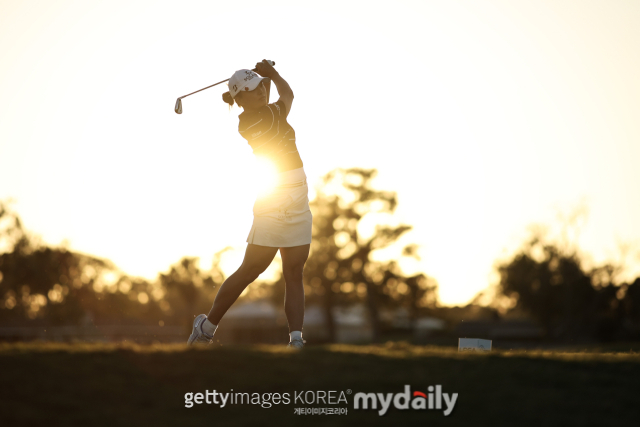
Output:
(282, 218)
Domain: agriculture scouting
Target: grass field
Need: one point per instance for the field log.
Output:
(129, 385)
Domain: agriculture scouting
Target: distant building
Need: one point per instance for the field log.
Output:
(426, 326)
(90, 333)
(352, 324)
(254, 322)
(505, 330)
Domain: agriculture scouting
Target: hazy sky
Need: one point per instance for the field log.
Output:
(484, 116)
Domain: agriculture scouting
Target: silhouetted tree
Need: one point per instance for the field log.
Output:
(54, 285)
(570, 301)
(188, 290)
(340, 270)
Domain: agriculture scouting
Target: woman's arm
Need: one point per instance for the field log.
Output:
(284, 90)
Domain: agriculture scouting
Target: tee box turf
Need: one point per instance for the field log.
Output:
(473, 344)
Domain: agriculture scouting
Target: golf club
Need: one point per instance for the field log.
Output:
(178, 107)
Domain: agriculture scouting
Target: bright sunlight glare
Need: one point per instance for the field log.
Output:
(268, 176)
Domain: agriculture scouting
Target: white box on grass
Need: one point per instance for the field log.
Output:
(473, 344)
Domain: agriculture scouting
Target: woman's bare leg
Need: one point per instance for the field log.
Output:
(293, 260)
(256, 260)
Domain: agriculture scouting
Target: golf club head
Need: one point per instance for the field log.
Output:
(178, 108)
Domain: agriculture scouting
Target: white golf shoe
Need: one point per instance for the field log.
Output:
(198, 337)
(296, 344)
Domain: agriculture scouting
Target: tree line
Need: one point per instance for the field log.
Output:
(47, 286)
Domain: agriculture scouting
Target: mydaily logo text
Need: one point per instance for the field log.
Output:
(419, 400)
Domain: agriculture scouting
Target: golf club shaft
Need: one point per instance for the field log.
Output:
(204, 88)
(183, 96)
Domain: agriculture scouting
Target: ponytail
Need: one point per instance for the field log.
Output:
(226, 97)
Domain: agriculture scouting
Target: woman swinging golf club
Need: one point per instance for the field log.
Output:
(282, 218)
